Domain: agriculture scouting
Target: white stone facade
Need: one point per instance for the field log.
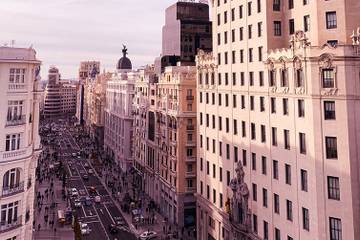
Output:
(20, 146)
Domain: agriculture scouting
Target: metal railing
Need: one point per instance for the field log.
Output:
(189, 97)
(190, 127)
(18, 121)
(10, 225)
(11, 190)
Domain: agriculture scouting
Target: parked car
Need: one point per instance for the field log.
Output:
(147, 235)
(85, 229)
(85, 177)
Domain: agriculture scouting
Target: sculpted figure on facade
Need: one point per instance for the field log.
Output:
(240, 212)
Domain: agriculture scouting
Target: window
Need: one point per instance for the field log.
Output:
(236, 155)
(261, 78)
(276, 5)
(241, 33)
(274, 136)
(287, 174)
(284, 78)
(241, 11)
(301, 108)
(254, 192)
(244, 156)
(251, 78)
(17, 75)
(291, 4)
(277, 234)
(277, 28)
(219, 77)
(273, 105)
(242, 102)
(252, 103)
(263, 134)
(235, 127)
(272, 78)
(220, 123)
(250, 55)
(260, 55)
(289, 212)
(276, 203)
(228, 178)
(219, 39)
(225, 37)
(258, 6)
(306, 23)
(302, 142)
(335, 228)
(207, 167)
(250, 31)
(291, 26)
(243, 128)
(333, 188)
(306, 2)
(287, 139)
(234, 100)
(15, 111)
(218, 19)
(331, 21)
(249, 8)
(328, 78)
(220, 148)
(275, 169)
(233, 35)
(225, 17)
(241, 55)
(233, 14)
(227, 127)
(253, 161)
(259, 29)
(306, 220)
(304, 180)
(227, 151)
(9, 213)
(285, 106)
(255, 224)
(219, 62)
(234, 78)
(12, 142)
(329, 110)
(253, 131)
(299, 78)
(266, 230)
(220, 174)
(214, 171)
(214, 196)
(226, 58)
(263, 165)
(207, 191)
(331, 147)
(265, 198)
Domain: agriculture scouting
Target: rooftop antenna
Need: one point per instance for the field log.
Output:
(12, 43)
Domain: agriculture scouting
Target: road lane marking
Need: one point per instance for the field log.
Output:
(111, 217)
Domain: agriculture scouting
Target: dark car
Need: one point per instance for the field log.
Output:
(113, 229)
(85, 177)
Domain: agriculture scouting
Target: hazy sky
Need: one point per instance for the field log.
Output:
(65, 32)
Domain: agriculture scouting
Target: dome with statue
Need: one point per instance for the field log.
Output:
(124, 63)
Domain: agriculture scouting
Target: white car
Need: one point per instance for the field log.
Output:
(91, 171)
(85, 229)
(148, 235)
(74, 192)
(97, 199)
(77, 203)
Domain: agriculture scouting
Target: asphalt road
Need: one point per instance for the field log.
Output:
(98, 216)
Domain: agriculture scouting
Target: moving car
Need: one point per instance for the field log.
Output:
(85, 229)
(97, 199)
(88, 201)
(77, 203)
(147, 235)
(92, 190)
(86, 164)
(91, 171)
(85, 177)
(113, 229)
(74, 192)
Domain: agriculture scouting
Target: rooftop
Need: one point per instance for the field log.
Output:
(17, 54)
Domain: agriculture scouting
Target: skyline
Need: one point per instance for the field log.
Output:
(96, 35)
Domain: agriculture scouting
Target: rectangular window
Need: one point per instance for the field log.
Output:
(234, 78)
(12, 142)
(285, 106)
(233, 57)
(333, 188)
(253, 161)
(287, 139)
(302, 142)
(331, 21)
(220, 174)
(241, 11)
(306, 23)
(250, 55)
(253, 131)
(277, 234)
(276, 203)
(235, 127)
(274, 136)
(227, 127)
(329, 110)
(243, 128)
(255, 224)
(254, 192)
(328, 78)
(251, 78)
(228, 178)
(273, 105)
(227, 151)
(266, 230)
(258, 6)
(304, 180)
(249, 8)
(260, 55)
(242, 102)
(289, 212)
(249, 31)
(291, 26)
(276, 5)
(241, 33)
(291, 4)
(277, 28)
(335, 228)
(220, 148)
(301, 108)
(236, 154)
(306, 219)
(244, 157)
(275, 169)
(17, 75)
(288, 174)
(233, 14)
(331, 147)
(241, 56)
(261, 78)
(252, 103)
(263, 165)
(263, 134)
(265, 197)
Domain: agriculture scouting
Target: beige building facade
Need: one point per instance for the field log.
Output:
(278, 104)
(20, 147)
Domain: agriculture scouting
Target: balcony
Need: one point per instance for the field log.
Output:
(17, 86)
(6, 226)
(12, 190)
(190, 143)
(190, 174)
(190, 159)
(12, 154)
(191, 189)
(21, 120)
(190, 98)
(190, 127)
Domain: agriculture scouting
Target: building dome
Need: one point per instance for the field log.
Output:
(124, 62)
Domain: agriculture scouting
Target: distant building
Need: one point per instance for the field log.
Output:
(20, 145)
(88, 69)
(118, 136)
(187, 28)
(59, 97)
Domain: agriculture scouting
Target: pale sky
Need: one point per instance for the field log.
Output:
(65, 32)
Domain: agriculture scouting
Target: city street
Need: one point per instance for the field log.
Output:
(98, 216)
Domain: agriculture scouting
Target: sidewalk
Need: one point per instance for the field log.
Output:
(45, 210)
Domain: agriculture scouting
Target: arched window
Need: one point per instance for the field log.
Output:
(11, 178)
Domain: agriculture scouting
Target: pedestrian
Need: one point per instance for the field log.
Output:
(39, 226)
(54, 231)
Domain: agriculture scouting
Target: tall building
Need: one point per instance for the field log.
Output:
(60, 96)
(278, 102)
(20, 148)
(187, 28)
(165, 140)
(88, 69)
(118, 134)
